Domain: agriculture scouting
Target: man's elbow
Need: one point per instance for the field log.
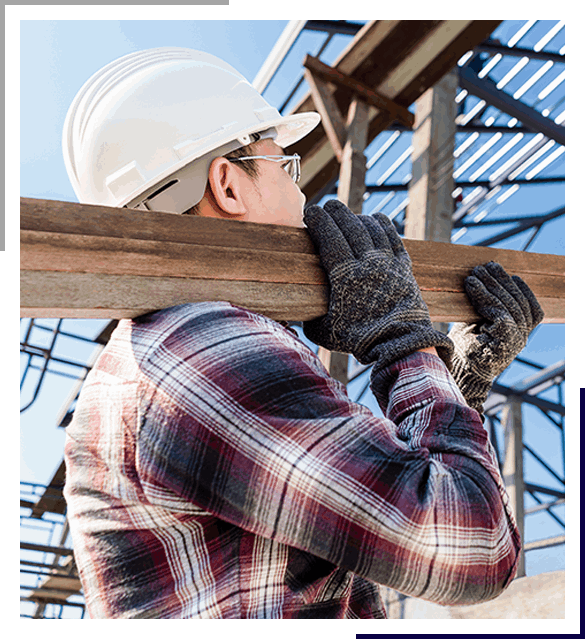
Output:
(484, 580)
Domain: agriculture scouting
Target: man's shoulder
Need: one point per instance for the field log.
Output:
(197, 315)
(200, 323)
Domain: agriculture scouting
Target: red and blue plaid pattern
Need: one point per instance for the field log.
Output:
(216, 470)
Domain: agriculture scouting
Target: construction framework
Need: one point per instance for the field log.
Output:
(68, 251)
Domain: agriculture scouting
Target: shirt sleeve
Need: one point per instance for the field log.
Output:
(239, 419)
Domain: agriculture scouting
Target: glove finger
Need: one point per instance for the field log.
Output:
(506, 301)
(350, 224)
(379, 237)
(501, 276)
(392, 234)
(535, 308)
(486, 304)
(329, 241)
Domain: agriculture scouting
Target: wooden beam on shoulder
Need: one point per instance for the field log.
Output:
(86, 261)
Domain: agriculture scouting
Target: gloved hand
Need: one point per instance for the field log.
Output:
(376, 311)
(483, 350)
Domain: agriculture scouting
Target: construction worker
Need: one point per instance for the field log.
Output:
(214, 467)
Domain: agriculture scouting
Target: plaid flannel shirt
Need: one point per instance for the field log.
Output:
(216, 470)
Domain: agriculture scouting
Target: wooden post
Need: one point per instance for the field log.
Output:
(430, 207)
(513, 468)
(429, 215)
(352, 173)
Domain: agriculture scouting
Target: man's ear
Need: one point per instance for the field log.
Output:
(227, 185)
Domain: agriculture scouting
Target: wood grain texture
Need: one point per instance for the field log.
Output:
(92, 261)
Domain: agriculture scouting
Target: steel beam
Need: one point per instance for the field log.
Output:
(519, 52)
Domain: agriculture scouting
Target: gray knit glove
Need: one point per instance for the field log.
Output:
(376, 311)
(484, 350)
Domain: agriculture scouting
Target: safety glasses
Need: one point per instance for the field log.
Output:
(292, 166)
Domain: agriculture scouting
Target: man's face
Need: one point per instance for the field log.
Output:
(273, 197)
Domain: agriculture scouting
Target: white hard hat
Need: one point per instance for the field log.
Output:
(136, 126)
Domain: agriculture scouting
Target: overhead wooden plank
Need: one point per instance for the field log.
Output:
(80, 260)
(366, 94)
(400, 59)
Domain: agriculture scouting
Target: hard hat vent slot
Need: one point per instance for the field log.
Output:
(162, 189)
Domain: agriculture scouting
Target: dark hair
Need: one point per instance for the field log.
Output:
(249, 166)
